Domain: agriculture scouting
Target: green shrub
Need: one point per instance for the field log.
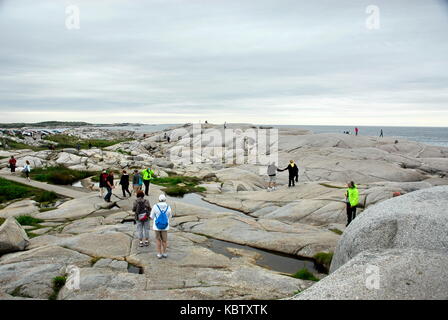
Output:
(2, 220)
(66, 141)
(177, 186)
(46, 196)
(323, 259)
(28, 221)
(58, 284)
(59, 175)
(304, 274)
(337, 231)
(11, 190)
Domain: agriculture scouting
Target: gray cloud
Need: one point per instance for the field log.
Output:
(283, 61)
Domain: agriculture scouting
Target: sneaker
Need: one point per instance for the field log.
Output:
(159, 256)
(146, 243)
(165, 255)
(140, 244)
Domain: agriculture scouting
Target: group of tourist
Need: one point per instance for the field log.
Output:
(160, 213)
(351, 195)
(26, 168)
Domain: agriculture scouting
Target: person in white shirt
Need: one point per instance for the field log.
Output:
(26, 170)
(161, 215)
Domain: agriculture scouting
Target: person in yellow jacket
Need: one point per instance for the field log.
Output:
(352, 199)
(147, 176)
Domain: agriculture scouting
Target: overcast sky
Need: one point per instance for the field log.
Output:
(258, 61)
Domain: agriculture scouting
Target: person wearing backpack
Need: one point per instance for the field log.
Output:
(142, 208)
(137, 181)
(161, 215)
(147, 177)
(352, 199)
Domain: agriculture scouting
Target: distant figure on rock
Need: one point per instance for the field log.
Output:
(109, 186)
(168, 139)
(103, 182)
(225, 125)
(12, 164)
(352, 200)
(272, 174)
(381, 133)
(142, 208)
(137, 181)
(356, 131)
(161, 215)
(293, 170)
(124, 182)
(147, 177)
(78, 147)
(90, 145)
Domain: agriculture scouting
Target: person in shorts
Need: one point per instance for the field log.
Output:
(161, 208)
(272, 174)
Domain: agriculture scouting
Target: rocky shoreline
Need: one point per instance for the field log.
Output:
(301, 221)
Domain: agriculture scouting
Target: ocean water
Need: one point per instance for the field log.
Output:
(429, 135)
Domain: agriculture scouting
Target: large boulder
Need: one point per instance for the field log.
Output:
(418, 220)
(12, 236)
(389, 274)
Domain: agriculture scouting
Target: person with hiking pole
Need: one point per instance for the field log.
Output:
(352, 200)
(142, 209)
(147, 177)
(161, 215)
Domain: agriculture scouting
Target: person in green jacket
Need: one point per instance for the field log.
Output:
(352, 199)
(147, 177)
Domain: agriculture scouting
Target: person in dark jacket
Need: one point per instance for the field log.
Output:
(109, 186)
(293, 170)
(124, 182)
(102, 186)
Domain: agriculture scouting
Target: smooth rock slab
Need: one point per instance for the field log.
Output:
(12, 236)
(417, 220)
(403, 274)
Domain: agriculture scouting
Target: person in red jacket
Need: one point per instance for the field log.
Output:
(12, 164)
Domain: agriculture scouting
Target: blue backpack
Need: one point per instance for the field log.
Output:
(162, 219)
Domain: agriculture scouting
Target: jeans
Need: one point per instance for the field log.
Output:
(143, 229)
(109, 194)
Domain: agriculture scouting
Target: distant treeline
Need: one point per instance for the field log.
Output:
(61, 124)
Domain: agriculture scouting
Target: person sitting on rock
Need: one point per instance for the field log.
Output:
(142, 208)
(293, 170)
(161, 215)
(352, 199)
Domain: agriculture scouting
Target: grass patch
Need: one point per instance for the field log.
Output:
(2, 220)
(297, 292)
(94, 260)
(177, 186)
(331, 186)
(58, 284)
(337, 231)
(323, 260)
(46, 209)
(28, 221)
(19, 145)
(11, 190)
(66, 141)
(124, 152)
(30, 234)
(59, 175)
(304, 274)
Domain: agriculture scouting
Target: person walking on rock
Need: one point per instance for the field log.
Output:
(293, 170)
(12, 164)
(109, 186)
(26, 170)
(147, 177)
(103, 182)
(161, 215)
(124, 182)
(381, 133)
(142, 210)
(356, 131)
(352, 199)
(272, 174)
(137, 181)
